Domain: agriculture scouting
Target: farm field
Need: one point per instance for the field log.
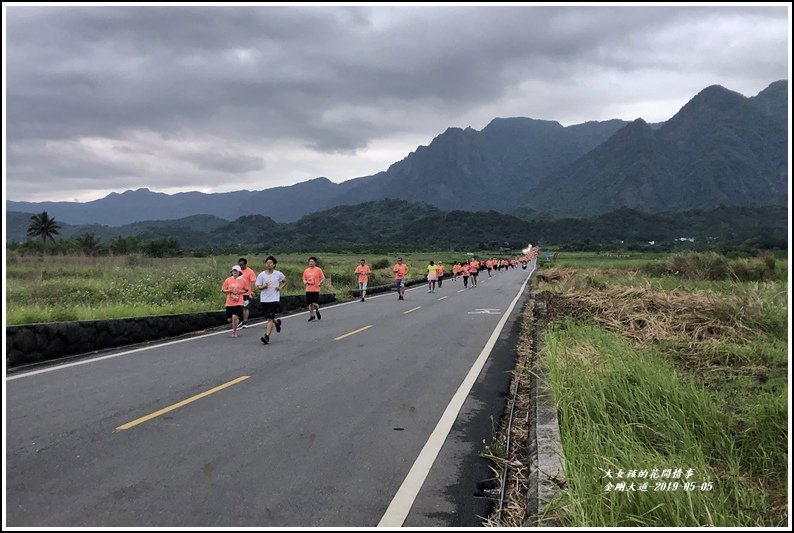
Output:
(670, 380)
(78, 287)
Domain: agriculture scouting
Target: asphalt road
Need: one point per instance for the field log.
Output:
(374, 415)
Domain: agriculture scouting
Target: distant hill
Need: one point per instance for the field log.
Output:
(139, 205)
(378, 221)
(366, 222)
(763, 226)
(721, 148)
(17, 225)
(391, 224)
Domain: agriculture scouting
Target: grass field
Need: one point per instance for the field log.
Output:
(62, 288)
(672, 395)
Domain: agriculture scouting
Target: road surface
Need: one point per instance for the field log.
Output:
(374, 415)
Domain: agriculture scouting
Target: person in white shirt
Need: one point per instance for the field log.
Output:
(271, 281)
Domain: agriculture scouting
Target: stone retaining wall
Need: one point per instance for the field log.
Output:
(33, 343)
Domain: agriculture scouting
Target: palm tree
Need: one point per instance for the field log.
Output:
(43, 226)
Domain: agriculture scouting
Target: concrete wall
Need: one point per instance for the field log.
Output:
(33, 343)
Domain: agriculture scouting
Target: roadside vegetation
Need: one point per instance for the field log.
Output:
(88, 287)
(670, 364)
(670, 378)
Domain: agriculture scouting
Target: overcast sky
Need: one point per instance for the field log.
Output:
(216, 99)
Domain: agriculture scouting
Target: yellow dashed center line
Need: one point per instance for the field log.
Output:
(143, 419)
(359, 330)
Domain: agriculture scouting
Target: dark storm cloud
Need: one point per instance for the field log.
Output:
(183, 82)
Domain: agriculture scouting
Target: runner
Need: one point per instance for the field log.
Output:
(432, 276)
(455, 270)
(248, 275)
(465, 272)
(270, 281)
(440, 273)
(363, 271)
(234, 287)
(400, 270)
(313, 277)
(474, 269)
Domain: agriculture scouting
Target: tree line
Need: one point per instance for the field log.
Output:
(43, 229)
(372, 228)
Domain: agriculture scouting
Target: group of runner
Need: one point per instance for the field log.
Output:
(239, 293)
(470, 269)
(242, 280)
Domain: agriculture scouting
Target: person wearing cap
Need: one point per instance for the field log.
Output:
(270, 281)
(249, 275)
(235, 287)
(363, 271)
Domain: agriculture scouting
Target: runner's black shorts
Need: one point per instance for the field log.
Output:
(232, 310)
(269, 309)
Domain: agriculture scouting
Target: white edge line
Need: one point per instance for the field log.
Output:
(95, 359)
(401, 504)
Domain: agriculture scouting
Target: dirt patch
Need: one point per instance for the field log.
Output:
(647, 316)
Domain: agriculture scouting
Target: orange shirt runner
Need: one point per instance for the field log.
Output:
(238, 287)
(400, 271)
(363, 272)
(312, 277)
(249, 276)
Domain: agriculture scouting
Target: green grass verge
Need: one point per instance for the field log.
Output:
(64, 288)
(630, 409)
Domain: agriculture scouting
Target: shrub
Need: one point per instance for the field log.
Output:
(749, 270)
(768, 259)
(380, 263)
(691, 265)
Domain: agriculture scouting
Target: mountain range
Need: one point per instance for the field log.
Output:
(720, 149)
